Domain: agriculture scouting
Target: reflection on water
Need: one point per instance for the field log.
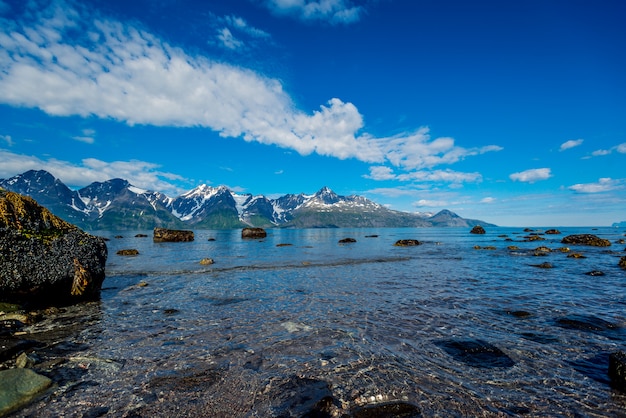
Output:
(275, 330)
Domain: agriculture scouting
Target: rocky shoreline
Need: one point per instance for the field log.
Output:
(39, 360)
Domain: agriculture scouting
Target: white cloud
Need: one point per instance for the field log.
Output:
(488, 200)
(380, 172)
(531, 176)
(441, 176)
(605, 184)
(621, 148)
(333, 11)
(572, 143)
(67, 60)
(601, 152)
(139, 173)
(227, 39)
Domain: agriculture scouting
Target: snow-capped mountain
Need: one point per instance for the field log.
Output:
(118, 205)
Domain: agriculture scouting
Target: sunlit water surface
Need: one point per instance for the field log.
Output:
(369, 320)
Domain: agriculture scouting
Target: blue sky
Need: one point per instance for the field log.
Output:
(508, 111)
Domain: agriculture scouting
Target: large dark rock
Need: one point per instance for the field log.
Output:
(172, 235)
(253, 233)
(586, 239)
(45, 260)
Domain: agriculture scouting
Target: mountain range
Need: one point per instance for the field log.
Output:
(118, 205)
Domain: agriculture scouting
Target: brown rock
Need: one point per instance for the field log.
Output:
(172, 235)
(407, 243)
(477, 230)
(128, 252)
(553, 232)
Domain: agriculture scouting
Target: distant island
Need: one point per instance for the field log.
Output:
(619, 224)
(118, 205)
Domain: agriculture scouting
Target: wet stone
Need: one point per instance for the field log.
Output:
(302, 397)
(18, 387)
(595, 273)
(476, 353)
(347, 240)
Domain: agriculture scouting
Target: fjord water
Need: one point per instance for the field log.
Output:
(364, 322)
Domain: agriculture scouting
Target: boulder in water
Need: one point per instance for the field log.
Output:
(253, 233)
(172, 235)
(477, 230)
(586, 239)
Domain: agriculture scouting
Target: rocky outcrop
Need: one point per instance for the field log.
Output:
(172, 235)
(553, 232)
(46, 260)
(586, 239)
(477, 230)
(253, 233)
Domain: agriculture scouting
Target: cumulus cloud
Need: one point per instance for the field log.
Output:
(531, 176)
(333, 11)
(67, 60)
(572, 143)
(488, 200)
(142, 174)
(605, 184)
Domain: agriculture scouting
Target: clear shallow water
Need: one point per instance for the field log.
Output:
(268, 326)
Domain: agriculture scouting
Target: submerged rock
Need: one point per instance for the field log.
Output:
(45, 259)
(586, 239)
(544, 265)
(586, 323)
(477, 230)
(622, 262)
(18, 387)
(476, 353)
(346, 240)
(617, 370)
(172, 235)
(253, 233)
